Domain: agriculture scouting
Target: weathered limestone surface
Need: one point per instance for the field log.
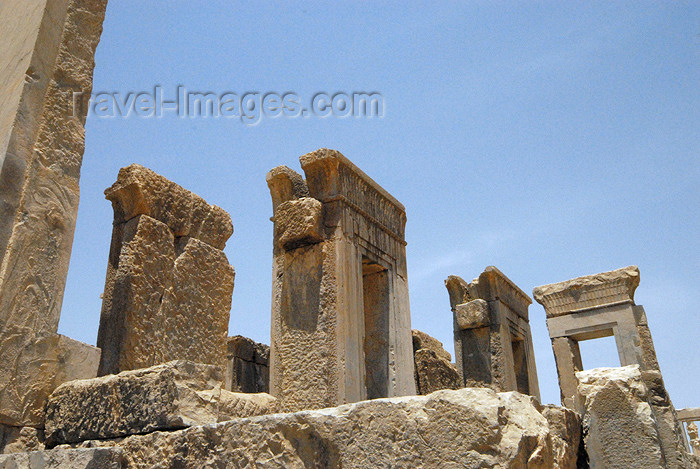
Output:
(340, 313)
(165, 397)
(32, 367)
(247, 365)
(493, 342)
(433, 366)
(88, 458)
(47, 56)
(169, 285)
(447, 429)
(620, 426)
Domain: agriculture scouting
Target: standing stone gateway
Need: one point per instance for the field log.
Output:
(602, 305)
(169, 284)
(46, 64)
(493, 342)
(341, 329)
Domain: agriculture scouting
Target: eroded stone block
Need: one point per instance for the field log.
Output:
(140, 191)
(473, 314)
(164, 397)
(298, 222)
(33, 368)
(621, 428)
(20, 439)
(464, 428)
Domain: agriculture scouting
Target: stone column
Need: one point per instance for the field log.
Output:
(169, 284)
(340, 317)
(46, 65)
(493, 342)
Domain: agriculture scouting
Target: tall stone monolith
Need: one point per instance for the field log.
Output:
(46, 64)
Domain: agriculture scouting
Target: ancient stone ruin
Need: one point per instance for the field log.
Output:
(345, 381)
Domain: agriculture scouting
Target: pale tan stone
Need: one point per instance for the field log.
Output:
(285, 184)
(164, 397)
(493, 342)
(434, 373)
(88, 458)
(473, 314)
(140, 191)
(298, 223)
(46, 67)
(131, 332)
(621, 427)
(168, 287)
(247, 366)
(196, 305)
(421, 340)
(35, 367)
(20, 439)
(464, 428)
(616, 286)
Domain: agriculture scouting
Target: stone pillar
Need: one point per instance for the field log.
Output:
(602, 305)
(46, 65)
(493, 342)
(169, 284)
(340, 317)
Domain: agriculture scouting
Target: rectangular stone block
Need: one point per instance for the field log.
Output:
(32, 368)
(164, 397)
(140, 191)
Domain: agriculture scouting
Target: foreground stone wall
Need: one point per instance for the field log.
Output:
(46, 58)
(464, 428)
(169, 284)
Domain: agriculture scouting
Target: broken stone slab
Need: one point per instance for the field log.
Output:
(82, 458)
(607, 288)
(434, 373)
(140, 191)
(285, 184)
(472, 315)
(165, 397)
(299, 223)
(421, 340)
(31, 368)
(620, 426)
(464, 428)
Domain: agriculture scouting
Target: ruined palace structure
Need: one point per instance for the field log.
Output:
(493, 343)
(341, 328)
(345, 381)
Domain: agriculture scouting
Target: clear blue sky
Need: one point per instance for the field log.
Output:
(551, 140)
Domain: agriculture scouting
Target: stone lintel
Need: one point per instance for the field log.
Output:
(689, 414)
(331, 177)
(140, 191)
(493, 285)
(590, 291)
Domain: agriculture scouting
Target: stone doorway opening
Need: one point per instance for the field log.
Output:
(376, 302)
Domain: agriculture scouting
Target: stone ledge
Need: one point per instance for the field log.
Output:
(590, 291)
(165, 397)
